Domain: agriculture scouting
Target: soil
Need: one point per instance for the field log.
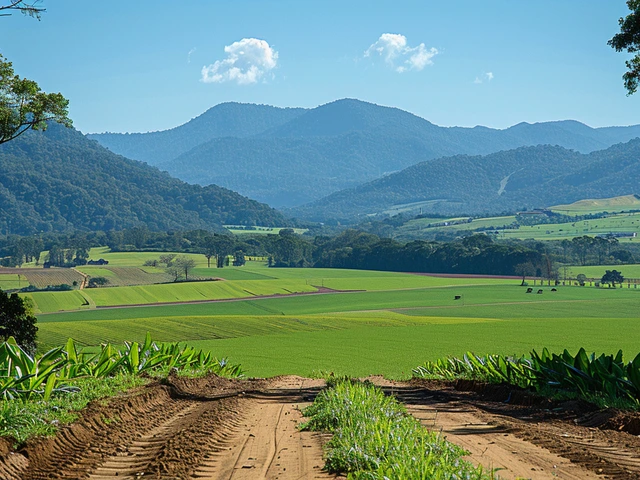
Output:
(214, 428)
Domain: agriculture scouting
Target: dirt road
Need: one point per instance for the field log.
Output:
(214, 428)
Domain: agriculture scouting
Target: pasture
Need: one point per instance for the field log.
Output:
(11, 281)
(599, 205)
(617, 223)
(375, 332)
(597, 271)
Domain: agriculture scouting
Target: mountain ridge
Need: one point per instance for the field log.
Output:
(59, 180)
(519, 179)
(307, 154)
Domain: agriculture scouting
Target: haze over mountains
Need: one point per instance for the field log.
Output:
(59, 180)
(290, 157)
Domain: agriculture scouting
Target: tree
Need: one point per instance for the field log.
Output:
(238, 258)
(22, 6)
(581, 278)
(524, 270)
(17, 321)
(209, 249)
(629, 39)
(185, 265)
(612, 277)
(24, 106)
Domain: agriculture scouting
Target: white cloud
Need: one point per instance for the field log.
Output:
(191, 52)
(488, 76)
(247, 62)
(393, 48)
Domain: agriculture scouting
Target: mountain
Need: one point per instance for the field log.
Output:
(523, 178)
(224, 120)
(339, 145)
(59, 180)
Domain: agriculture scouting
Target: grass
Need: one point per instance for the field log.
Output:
(375, 438)
(597, 271)
(58, 301)
(12, 281)
(22, 420)
(137, 259)
(622, 222)
(599, 205)
(256, 280)
(378, 332)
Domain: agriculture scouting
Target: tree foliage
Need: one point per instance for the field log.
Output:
(24, 106)
(612, 277)
(629, 39)
(17, 321)
(59, 180)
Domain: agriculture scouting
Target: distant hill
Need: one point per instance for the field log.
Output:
(524, 178)
(223, 120)
(289, 157)
(593, 205)
(59, 180)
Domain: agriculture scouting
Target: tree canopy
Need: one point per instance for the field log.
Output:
(17, 321)
(629, 39)
(24, 106)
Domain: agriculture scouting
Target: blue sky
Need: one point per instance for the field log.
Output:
(139, 66)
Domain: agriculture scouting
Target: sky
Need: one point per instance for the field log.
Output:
(152, 65)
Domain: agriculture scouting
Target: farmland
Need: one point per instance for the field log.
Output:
(387, 331)
(596, 271)
(616, 223)
(600, 205)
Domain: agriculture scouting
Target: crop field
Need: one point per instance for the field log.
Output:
(43, 277)
(359, 333)
(11, 281)
(136, 259)
(597, 271)
(127, 276)
(623, 222)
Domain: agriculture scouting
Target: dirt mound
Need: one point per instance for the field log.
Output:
(183, 428)
(212, 428)
(628, 422)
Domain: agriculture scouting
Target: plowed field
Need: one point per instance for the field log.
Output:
(221, 429)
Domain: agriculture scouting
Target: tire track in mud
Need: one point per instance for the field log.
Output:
(189, 430)
(220, 429)
(523, 442)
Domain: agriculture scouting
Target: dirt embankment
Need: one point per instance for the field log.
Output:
(213, 428)
(204, 428)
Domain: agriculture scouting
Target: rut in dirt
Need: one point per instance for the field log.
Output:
(205, 429)
(213, 428)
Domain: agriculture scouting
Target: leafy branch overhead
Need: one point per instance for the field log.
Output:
(24, 106)
(23, 6)
(629, 39)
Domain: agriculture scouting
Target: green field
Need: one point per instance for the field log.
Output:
(253, 279)
(385, 323)
(384, 332)
(600, 205)
(623, 222)
(597, 271)
(239, 230)
(12, 281)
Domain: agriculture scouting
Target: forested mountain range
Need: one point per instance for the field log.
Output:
(223, 120)
(519, 179)
(289, 157)
(59, 180)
